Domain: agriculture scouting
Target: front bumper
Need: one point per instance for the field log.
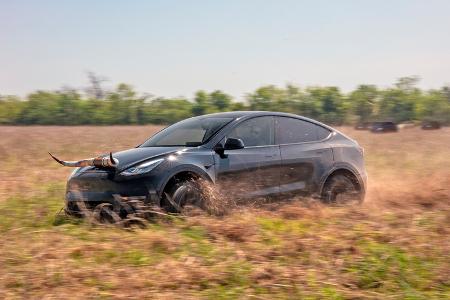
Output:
(90, 188)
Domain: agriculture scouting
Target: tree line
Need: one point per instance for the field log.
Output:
(402, 102)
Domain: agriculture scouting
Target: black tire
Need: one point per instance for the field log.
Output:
(105, 214)
(182, 194)
(341, 189)
(134, 222)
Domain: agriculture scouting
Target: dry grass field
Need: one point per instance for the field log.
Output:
(394, 246)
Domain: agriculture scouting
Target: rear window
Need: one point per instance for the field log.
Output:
(322, 133)
(290, 131)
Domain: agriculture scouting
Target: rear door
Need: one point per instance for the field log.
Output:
(253, 170)
(305, 154)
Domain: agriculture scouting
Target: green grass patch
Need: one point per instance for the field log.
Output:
(137, 258)
(195, 242)
(34, 212)
(280, 226)
(390, 269)
(234, 282)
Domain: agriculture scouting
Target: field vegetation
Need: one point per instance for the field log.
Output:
(394, 246)
(402, 102)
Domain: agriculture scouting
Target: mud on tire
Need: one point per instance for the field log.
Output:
(182, 194)
(341, 189)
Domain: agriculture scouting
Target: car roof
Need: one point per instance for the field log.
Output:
(239, 114)
(246, 114)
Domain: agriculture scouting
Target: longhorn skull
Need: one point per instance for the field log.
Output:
(100, 161)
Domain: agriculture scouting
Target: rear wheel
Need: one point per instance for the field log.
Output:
(341, 189)
(182, 194)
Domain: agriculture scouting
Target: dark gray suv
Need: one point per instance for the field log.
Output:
(247, 154)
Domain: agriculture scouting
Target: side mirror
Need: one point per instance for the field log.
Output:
(231, 144)
(219, 149)
(234, 144)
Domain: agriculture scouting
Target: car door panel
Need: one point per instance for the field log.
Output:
(305, 154)
(253, 170)
(250, 171)
(302, 166)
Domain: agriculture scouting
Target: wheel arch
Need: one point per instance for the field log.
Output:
(185, 172)
(345, 170)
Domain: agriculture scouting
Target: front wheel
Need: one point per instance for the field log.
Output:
(182, 194)
(341, 189)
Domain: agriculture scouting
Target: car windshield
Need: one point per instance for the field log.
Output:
(191, 132)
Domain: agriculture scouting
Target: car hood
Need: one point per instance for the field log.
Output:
(133, 156)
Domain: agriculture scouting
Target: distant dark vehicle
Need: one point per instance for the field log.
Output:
(378, 127)
(362, 126)
(247, 154)
(430, 125)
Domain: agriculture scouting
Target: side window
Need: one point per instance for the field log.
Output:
(258, 131)
(291, 130)
(322, 133)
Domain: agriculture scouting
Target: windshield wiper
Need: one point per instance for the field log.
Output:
(193, 144)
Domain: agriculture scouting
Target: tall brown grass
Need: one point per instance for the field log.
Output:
(395, 244)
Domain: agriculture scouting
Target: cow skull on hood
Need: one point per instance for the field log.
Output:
(100, 161)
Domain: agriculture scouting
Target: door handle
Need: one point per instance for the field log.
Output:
(269, 156)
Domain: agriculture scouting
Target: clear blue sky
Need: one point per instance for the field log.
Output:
(171, 48)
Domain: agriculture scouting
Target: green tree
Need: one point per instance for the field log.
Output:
(398, 103)
(434, 106)
(40, 108)
(10, 109)
(362, 102)
(331, 104)
(167, 111)
(402, 102)
(220, 100)
(202, 104)
(68, 106)
(267, 98)
(121, 105)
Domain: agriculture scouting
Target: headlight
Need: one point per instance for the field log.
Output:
(142, 168)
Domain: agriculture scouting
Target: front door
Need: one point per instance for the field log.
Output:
(253, 170)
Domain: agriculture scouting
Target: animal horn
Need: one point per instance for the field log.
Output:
(100, 161)
(112, 160)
